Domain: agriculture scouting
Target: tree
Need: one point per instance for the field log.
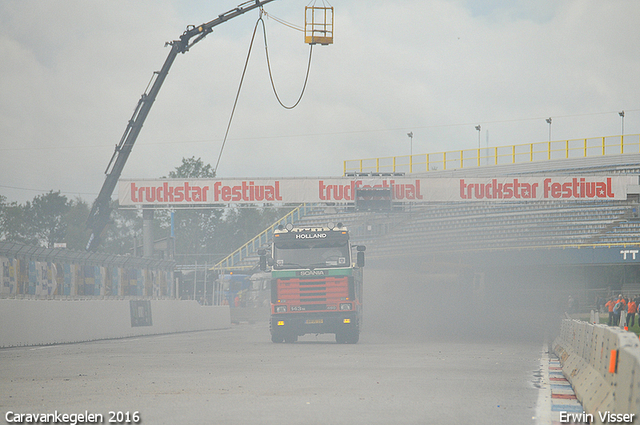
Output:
(241, 224)
(15, 223)
(3, 217)
(212, 233)
(77, 234)
(205, 234)
(194, 229)
(48, 217)
(125, 226)
(193, 168)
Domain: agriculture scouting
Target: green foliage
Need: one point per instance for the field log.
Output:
(206, 234)
(193, 168)
(15, 223)
(194, 228)
(210, 234)
(47, 219)
(125, 226)
(77, 234)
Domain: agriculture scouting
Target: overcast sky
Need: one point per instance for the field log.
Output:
(72, 71)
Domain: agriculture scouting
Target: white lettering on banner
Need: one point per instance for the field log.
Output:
(401, 189)
(633, 252)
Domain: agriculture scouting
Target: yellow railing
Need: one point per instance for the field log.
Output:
(502, 155)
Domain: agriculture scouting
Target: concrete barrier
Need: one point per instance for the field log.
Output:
(42, 322)
(603, 365)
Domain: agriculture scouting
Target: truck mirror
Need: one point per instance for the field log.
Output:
(360, 259)
(263, 259)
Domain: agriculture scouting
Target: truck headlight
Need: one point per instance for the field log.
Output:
(345, 306)
(281, 309)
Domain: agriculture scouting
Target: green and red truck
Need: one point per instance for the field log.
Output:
(316, 288)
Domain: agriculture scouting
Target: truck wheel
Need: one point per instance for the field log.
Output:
(277, 338)
(353, 337)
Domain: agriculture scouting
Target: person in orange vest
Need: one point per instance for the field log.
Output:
(610, 304)
(618, 308)
(632, 309)
(623, 300)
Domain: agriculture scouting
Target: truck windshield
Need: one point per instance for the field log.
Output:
(296, 254)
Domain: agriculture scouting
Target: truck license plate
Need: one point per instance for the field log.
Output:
(313, 321)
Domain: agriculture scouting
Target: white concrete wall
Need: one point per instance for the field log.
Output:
(42, 322)
(585, 351)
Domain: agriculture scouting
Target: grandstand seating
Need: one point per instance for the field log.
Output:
(455, 227)
(450, 227)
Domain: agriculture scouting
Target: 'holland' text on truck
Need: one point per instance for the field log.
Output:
(315, 287)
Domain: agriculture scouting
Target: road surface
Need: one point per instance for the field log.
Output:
(238, 376)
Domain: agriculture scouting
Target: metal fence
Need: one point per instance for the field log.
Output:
(36, 272)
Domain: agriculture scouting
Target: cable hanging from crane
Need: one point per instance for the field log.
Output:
(283, 22)
(235, 102)
(244, 70)
(273, 86)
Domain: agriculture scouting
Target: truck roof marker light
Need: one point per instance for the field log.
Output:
(346, 321)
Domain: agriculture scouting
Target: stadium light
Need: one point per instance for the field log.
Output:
(549, 120)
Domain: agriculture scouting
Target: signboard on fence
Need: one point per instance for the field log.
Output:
(176, 192)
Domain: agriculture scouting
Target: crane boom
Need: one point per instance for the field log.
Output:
(101, 210)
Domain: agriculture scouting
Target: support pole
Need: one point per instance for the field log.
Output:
(147, 232)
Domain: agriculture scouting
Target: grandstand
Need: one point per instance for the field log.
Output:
(489, 241)
(482, 225)
(443, 228)
(464, 227)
